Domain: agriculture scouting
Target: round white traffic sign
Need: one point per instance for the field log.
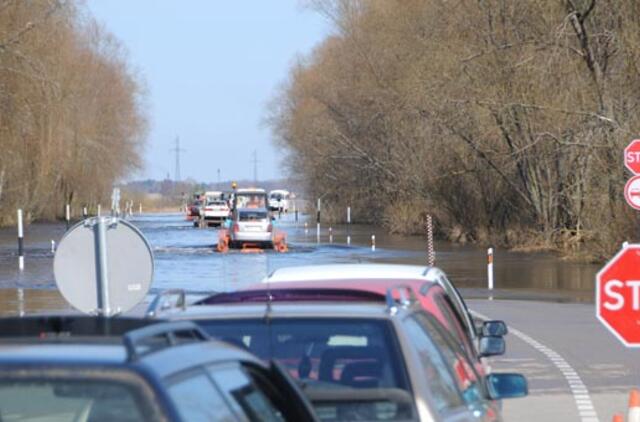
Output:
(632, 192)
(129, 267)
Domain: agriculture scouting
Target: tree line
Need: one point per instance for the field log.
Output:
(72, 112)
(505, 120)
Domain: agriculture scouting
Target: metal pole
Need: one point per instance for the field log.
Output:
(100, 235)
(330, 234)
(348, 225)
(318, 221)
(99, 210)
(67, 215)
(20, 242)
(373, 243)
(490, 270)
(431, 253)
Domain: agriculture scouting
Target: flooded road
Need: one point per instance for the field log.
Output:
(185, 258)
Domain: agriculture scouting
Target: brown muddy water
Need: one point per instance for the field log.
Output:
(184, 257)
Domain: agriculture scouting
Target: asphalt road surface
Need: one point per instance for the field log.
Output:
(577, 370)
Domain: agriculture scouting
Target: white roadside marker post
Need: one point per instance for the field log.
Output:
(373, 243)
(490, 272)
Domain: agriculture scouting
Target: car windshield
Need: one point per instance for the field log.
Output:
(217, 202)
(253, 215)
(64, 400)
(331, 359)
(250, 200)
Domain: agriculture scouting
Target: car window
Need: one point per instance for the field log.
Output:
(455, 322)
(467, 378)
(197, 399)
(329, 355)
(442, 383)
(69, 400)
(252, 215)
(244, 395)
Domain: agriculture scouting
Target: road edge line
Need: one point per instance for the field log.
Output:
(579, 391)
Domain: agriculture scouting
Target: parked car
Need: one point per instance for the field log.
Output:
(418, 277)
(215, 212)
(125, 369)
(376, 359)
(432, 297)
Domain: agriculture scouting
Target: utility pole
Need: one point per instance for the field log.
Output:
(218, 178)
(177, 150)
(255, 166)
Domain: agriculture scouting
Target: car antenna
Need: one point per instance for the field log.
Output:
(267, 318)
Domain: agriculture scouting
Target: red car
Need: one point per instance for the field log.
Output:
(431, 295)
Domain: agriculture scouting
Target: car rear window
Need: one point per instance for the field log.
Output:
(252, 215)
(69, 400)
(328, 354)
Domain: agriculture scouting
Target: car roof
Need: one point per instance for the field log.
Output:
(353, 271)
(66, 341)
(283, 310)
(381, 285)
(251, 190)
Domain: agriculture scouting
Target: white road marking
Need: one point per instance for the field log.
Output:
(579, 391)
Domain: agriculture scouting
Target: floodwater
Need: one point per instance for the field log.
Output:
(185, 258)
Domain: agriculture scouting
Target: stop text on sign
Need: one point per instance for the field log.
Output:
(615, 294)
(632, 156)
(618, 295)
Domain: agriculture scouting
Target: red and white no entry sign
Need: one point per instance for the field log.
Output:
(632, 156)
(618, 295)
(632, 192)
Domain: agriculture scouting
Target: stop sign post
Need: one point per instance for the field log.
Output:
(618, 295)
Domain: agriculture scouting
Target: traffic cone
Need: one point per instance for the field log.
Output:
(618, 417)
(634, 406)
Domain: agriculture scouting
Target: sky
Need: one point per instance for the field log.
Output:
(211, 67)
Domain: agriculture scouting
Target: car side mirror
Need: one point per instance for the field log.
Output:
(491, 346)
(494, 328)
(506, 386)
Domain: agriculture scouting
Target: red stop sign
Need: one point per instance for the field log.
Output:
(632, 156)
(618, 295)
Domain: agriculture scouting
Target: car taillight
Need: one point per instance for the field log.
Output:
(236, 227)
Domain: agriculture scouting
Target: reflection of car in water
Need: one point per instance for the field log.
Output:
(279, 200)
(215, 212)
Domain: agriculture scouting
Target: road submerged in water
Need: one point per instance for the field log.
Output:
(576, 369)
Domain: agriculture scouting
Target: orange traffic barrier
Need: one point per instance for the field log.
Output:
(633, 414)
(618, 417)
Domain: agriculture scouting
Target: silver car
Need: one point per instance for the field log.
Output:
(358, 355)
(251, 226)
